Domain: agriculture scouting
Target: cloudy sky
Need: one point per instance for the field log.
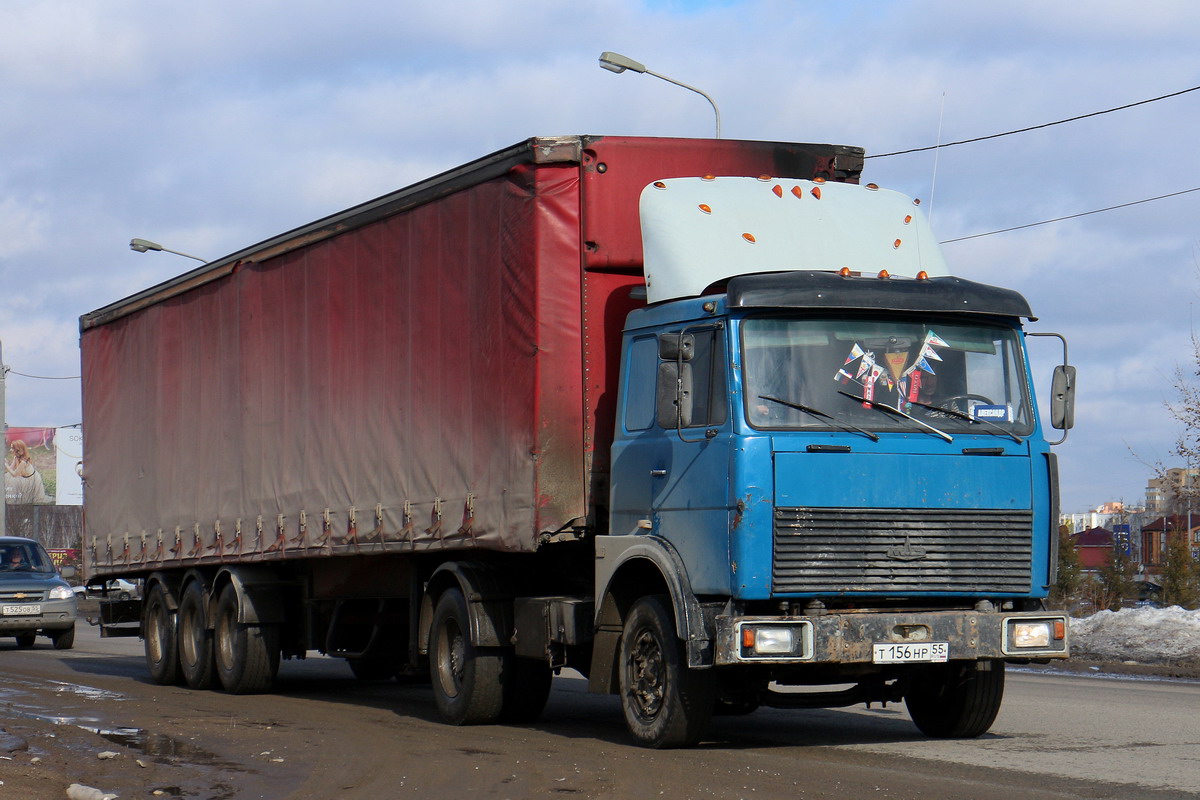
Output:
(211, 126)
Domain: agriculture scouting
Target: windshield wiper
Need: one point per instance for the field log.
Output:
(897, 412)
(960, 415)
(846, 426)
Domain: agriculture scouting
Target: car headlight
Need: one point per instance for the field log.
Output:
(61, 593)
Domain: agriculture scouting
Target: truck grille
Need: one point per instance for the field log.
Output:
(835, 550)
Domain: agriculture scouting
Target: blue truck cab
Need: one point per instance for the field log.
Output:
(845, 478)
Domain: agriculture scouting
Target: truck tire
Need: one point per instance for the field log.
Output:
(665, 703)
(158, 632)
(372, 669)
(195, 638)
(246, 656)
(956, 700)
(526, 689)
(63, 640)
(466, 679)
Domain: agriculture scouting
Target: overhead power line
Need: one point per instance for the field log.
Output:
(1036, 127)
(44, 377)
(1071, 216)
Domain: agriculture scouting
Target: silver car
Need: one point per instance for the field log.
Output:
(34, 599)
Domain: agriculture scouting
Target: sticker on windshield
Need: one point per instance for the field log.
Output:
(992, 413)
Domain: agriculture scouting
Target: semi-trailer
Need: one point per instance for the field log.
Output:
(707, 421)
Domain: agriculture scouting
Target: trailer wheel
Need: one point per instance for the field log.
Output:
(247, 656)
(955, 700)
(665, 703)
(526, 689)
(466, 678)
(195, 639)
(63, 640)
(162, 656)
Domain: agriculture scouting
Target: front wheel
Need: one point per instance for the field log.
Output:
(246, 655)
(665, 703)
(63, 640)
(467, 685)
(957, 700)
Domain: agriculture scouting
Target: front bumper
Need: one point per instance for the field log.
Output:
(850, 638)
(56, 615)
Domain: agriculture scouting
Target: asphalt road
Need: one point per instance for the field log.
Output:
(326, 735)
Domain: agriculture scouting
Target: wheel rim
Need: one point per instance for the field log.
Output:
(450, 658)
(648, 678)
(225, 643)
(191, 647)
(154, 631)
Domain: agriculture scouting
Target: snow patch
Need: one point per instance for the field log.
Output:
(1146, 635)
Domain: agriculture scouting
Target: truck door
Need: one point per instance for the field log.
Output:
(671, 469)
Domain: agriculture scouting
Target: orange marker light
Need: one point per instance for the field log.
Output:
(818, 180)
(908, 219)
(749, 237)
(705, 207)
(778, 190)
(709, 178)
(896, 244)
(916, 201)
(845, 272)
(764, 177)
(1060, 630)
(884, 274)
(748, 638)
(659, 185)
(922, 275)
(798, 191)
(874, 187)
(816, 192)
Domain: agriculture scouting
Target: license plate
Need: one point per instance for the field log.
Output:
(919, 652)
(21, 611)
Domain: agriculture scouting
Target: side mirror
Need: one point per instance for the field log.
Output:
(676, 346)
(674, 400)
(67, 572)
(1062, 398)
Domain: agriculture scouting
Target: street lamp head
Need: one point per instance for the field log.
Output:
(615, 62)
(142, 245)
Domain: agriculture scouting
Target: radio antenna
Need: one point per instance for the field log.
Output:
(936, 151)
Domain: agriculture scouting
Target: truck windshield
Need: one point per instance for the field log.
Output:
(953, 377)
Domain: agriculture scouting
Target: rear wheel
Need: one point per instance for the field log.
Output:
(526, 689)
(957, 700)
(372, 669)
(665, 703)
(246, 655)
(195, 639)
(466, 679)
(63, 640)
(26, 639)
(158, 631)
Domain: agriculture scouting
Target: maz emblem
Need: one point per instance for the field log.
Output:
(907, 552)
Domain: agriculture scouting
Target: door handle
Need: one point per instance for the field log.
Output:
(658, 473)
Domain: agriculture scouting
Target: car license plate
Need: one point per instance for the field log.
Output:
(22, 610)
(918, 652)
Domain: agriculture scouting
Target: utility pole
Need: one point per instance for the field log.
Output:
(4, 433)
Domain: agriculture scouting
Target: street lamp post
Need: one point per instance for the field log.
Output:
(142, 245)
(615, 62)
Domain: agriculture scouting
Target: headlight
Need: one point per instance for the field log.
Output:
(1031, 634)
(771, 640)
(61, 593)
